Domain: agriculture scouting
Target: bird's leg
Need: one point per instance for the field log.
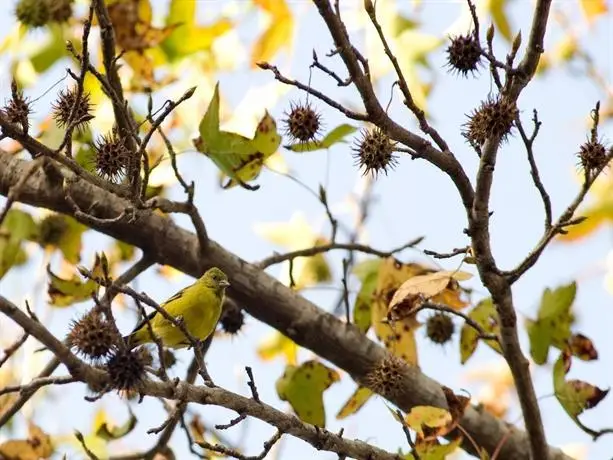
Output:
(208, 381)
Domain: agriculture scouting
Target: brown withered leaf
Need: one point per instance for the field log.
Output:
(582, 347)
(429, 285)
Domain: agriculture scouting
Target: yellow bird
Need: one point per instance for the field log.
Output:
(197, 306)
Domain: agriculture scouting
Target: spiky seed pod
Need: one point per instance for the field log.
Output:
(386, 377)
(374, 152)
(126, 368)
(232, 318)
(93, 336)
(33, 13)
(464, 54)
(112, 157)
(18, 108)
(60, 10)
(67, 99)
(51, 229)
(302, 123)
(593, 156)
(495, 117)
(440, 328)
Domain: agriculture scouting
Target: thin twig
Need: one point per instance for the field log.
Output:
(10, 350)
(278, 258)
(319, 95)
(402, 82)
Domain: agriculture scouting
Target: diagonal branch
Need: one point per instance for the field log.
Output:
(266, 299)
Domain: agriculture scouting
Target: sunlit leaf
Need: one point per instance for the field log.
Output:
(398, 336)
(421, 418)
(295, 235)
(38, 445)
(575, 396)
(241, 159)
(497, 9)
(335, 136)
(278, 34)
(278, 345)
(434, 450)
(486, 316)
(17, 226)
(593, 8)
(109, 431)
(356, 401)
(64, 292)
(553, 323)
(362, 316)
(303, 388)
(190, 37)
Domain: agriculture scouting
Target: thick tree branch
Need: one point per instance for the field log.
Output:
(264, 298)
(319, 438)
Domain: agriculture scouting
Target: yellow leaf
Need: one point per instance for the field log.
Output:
(593, 8)
(355, 402)
(398, 337)
(277, 344)
(65, 292)
(497, 9)
(427, 416)
(428, 285)
(303, 388)
(278, 34)
(38, 445)
(295, 235)
(108, 430)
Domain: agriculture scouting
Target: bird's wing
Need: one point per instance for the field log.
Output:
(143, 321)
(151, 315)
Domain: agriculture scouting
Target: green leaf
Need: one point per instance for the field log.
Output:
(109, 432)
(434, 450)
(486, 316)
(365, 268)
(51, 52)
(65, 292)
(239, 158)
(557, 302)
(553, 323)
(189, 37)
(303, 388)
(335, 136)
(362, 316)
(575, 396)
(356, 401)
(17, 226)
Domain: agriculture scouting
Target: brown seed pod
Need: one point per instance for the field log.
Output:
(374, 152)
(51, 229)
(464, 54)
(18, 108)
(386, 377)
(33, 13)
(127, 368)
(494, 118)
(232, 318)
(302, 122)
(67, 99)
(593, 156)
(93, 336)
(112, 157)
(440, 328)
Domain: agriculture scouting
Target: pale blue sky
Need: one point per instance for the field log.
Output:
(415, 200)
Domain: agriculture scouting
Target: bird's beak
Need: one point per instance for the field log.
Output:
(224, 283)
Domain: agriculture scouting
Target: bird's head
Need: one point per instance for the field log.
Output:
(216, 279)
